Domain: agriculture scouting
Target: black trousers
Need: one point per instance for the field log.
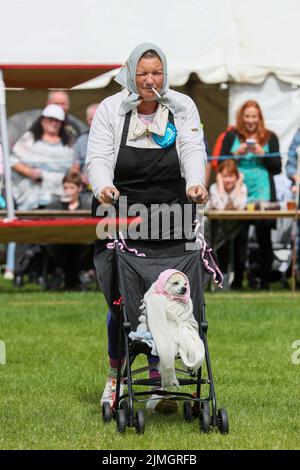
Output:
(71, 259)
(224, 254)
(265, 251)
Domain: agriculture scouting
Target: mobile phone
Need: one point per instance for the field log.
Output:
(251, 142)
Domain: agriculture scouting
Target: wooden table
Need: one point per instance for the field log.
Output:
(78, 227)
(250, 215)
(213, 214)
(52, 214)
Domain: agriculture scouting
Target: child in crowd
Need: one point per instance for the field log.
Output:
(228, 193)
(71, 199)
(72, 259)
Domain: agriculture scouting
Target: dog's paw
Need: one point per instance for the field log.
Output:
(169, 379)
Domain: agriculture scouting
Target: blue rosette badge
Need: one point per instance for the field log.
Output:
(167, 139)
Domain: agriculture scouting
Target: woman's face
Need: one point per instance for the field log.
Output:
(51, 126)
(251, 119)
(149, 74)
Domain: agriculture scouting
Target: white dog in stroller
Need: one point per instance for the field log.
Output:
(167, 324)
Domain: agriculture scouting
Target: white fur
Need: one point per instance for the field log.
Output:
(174, 330)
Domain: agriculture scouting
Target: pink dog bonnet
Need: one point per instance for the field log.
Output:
(162, 280)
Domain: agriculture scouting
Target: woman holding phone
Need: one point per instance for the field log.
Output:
(250, 141)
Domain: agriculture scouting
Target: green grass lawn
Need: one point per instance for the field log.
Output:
(56, 368)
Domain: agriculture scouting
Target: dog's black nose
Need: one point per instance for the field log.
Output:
(183, 290)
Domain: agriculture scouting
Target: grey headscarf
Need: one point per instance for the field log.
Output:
(127, 75)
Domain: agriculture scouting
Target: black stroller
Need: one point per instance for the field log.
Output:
(135, 276)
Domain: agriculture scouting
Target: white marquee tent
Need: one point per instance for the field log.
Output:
(219, 40)
(61, 44)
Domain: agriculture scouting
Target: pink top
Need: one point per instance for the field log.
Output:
(162, 280)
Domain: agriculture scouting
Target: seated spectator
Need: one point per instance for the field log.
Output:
(249, 141)
(19, 123)
(292, 169)
(74, 126)
(40, 159)
(291, 166)
(72, 259)
(71, 198)
(283, 186)
(80, 149)
(228, 193)
(80, 146)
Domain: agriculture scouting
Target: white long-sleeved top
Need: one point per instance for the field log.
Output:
(105, 138)
(225, 200)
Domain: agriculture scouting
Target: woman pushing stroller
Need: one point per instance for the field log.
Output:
(145, 144)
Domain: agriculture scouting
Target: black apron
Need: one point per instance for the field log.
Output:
(150, 176)
(146, 176)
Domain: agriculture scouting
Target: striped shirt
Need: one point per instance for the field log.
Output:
(54, 160)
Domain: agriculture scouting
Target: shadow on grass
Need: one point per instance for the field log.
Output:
(92, 398)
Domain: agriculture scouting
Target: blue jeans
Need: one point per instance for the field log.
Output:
(10, 256)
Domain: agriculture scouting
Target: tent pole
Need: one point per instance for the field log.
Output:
(5, 147)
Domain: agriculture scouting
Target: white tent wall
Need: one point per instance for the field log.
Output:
(265, 34)
(280, 104)
(93, 32)
(219, 40)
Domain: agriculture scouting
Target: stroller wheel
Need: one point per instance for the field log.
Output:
(187, 411)
(125, 406)
(121, 421)
(106, 412)
(223, 423)
(205, 406)
(140, 422)
(204, 421)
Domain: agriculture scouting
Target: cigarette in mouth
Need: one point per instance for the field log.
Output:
(156, 92)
